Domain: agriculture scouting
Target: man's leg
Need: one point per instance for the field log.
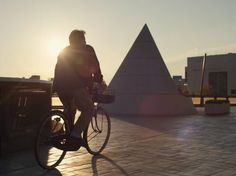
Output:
(69, 107)
(84, 102)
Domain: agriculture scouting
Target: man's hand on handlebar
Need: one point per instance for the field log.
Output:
(99, 87)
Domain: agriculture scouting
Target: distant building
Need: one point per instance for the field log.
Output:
(36, 77)
(178, 79)
(219, 79)
(181, 84)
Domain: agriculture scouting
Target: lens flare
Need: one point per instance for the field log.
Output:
(55, 46)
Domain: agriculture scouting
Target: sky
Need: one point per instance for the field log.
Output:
(33, 32)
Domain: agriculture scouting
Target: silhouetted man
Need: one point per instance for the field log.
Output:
(76, 69)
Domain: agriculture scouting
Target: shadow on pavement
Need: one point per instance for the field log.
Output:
(23, 163)
(54, 172)
(95, 165)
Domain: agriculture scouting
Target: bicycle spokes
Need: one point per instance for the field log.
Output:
(98, 132)
(50, 133)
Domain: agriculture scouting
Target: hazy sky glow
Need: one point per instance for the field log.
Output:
(32, 31)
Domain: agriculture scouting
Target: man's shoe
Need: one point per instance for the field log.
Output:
(58, 141)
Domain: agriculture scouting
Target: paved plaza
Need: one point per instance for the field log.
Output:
(196, 145)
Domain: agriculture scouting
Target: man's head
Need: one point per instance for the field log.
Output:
(77, 37)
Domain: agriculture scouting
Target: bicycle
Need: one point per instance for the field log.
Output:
(56, 124)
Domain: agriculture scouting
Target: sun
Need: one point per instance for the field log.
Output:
(55, 46)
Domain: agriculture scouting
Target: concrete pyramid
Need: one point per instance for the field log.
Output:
(143, 84)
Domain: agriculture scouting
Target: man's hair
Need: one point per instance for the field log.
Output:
(76, 36)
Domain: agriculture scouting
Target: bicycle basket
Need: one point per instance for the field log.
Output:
(108, 96)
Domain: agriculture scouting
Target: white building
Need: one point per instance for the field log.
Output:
(219, 76)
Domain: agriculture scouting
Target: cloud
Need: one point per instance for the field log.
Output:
(176, 64)
(230, 48)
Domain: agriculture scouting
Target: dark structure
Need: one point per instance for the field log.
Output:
(22, 105)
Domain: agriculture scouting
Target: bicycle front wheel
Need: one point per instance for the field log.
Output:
(97, 134)
(53, 127)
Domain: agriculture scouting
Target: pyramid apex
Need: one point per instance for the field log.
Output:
(145, 34)
(145, 27)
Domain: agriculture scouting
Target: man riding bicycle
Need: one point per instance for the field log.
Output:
(76, 69)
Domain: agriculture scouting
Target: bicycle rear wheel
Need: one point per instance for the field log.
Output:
(97, 134)
(53, 127)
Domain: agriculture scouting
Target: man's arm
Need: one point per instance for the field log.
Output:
(98, 77)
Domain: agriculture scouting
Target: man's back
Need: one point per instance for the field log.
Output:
(75, 67)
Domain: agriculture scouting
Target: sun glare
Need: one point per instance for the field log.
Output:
(55, 46)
